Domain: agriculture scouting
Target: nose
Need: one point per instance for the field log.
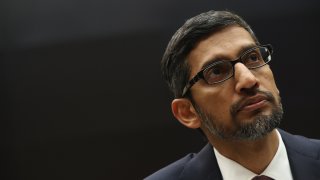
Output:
(244, 78)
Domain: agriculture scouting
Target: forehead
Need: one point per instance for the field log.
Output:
(226, 43)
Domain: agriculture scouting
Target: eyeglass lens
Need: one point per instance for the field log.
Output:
(222, 70)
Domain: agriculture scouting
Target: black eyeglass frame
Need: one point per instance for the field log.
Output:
(200, 75)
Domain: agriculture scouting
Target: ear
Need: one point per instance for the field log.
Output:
(185, 113)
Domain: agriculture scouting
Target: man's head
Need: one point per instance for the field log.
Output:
(175, 68)
(242, 104)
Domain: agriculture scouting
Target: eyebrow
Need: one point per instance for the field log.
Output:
(220, 58)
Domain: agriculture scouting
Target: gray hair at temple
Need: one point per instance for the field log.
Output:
(174, 66)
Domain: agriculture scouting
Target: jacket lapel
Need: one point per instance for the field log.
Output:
(203, 166)
(303, 156)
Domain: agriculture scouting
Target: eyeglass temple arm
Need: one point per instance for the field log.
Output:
(190, 83)
(270, 48)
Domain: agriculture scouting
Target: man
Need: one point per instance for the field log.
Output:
(223, 86)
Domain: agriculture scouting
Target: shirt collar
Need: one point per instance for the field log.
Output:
(278, 168)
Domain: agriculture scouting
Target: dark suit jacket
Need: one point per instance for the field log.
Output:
(303, 154)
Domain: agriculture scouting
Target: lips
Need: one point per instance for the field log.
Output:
(252, 103)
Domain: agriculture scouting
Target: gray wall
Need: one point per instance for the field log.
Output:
(82, 93)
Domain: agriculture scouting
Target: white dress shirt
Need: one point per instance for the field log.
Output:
(278, 169)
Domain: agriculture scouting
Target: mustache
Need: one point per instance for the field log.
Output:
(238, 105)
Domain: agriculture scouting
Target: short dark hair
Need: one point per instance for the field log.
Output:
(175, 69)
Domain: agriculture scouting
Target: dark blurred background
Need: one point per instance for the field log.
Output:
(82, 94)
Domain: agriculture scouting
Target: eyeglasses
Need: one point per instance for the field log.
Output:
(222, 70)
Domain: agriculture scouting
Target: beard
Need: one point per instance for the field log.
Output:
(256, 129)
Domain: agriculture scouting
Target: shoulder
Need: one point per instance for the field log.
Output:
(298, 139)
(173, 170)
(303, 154)
(202, 165)
(301, 144)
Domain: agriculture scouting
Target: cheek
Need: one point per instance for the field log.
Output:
(216, 101)
(269, 81)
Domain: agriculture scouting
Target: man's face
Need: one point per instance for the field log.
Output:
(246, 106)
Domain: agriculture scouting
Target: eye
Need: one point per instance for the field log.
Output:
(218, 72)
(253, 58)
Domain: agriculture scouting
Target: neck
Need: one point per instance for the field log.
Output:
(254, 155)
